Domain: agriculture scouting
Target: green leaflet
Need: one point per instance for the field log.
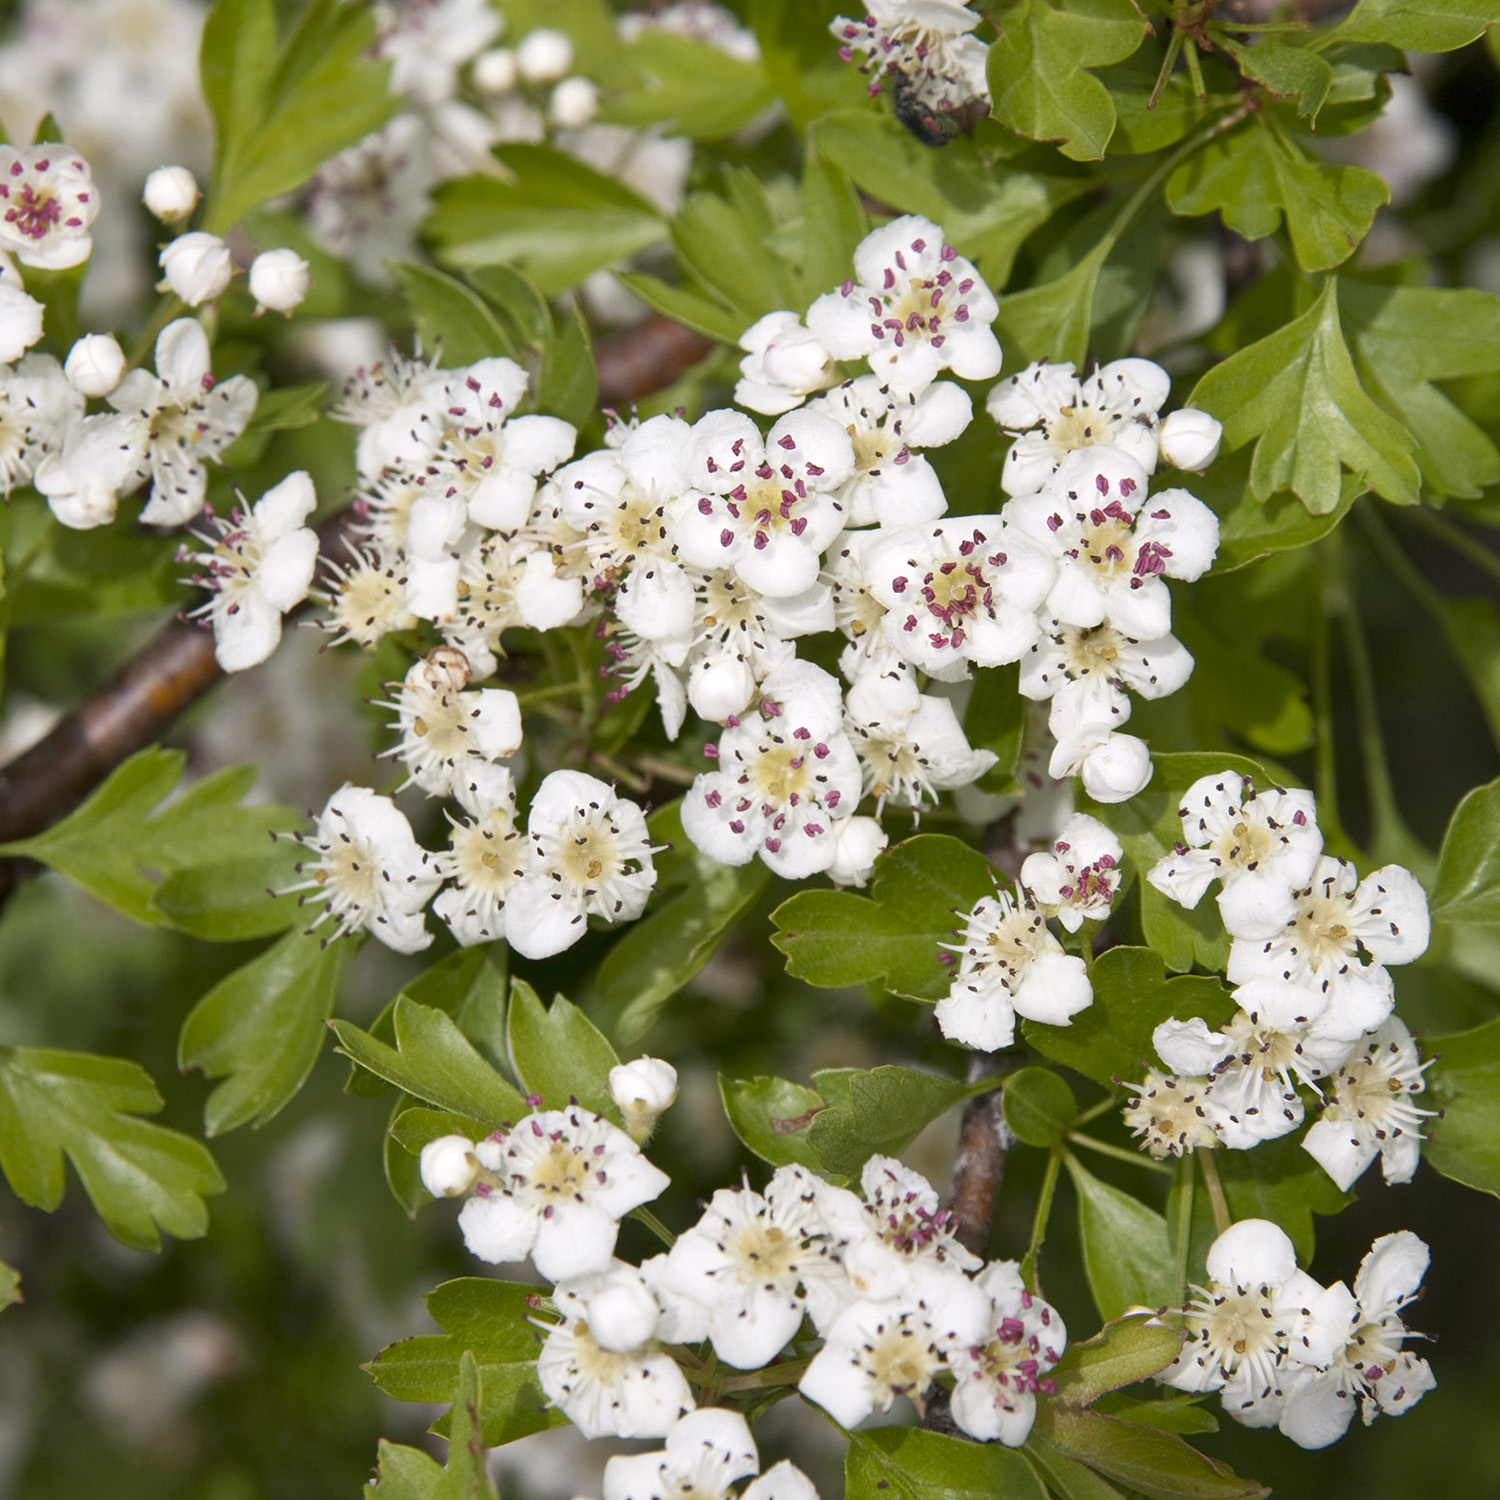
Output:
(902, 1463)
(1464, 1082)
(409, 1474)
(1467, 888)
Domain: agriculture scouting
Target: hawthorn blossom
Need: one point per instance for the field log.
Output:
(562, 1181)
(98, 459)
(258, 563)
(1172, 1114)
(1260, 846)
(916, 308)
(961, 592)
(279, 281)
(1009, 964)
(1113, 767)
(39, 409)
(705, 1453)
(859, 842)
(1115, 547)
(365, 597)
(787, 773)
(891, 484)
(1079, 877)
(783, 365)
(643, 1090)
(196, 267)
(21, 315)
(369, 871)
(171, 194)
(387, 401)
(929, 42)
(1371, 1113)
(47, 203)
(487, 856)
(190, 417)
(765, 507)
(1189, 439)
(94, 365)
(590, 856)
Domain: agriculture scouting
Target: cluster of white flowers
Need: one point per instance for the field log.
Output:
(1284, 1351)
(1310, 947)
(900, 1307)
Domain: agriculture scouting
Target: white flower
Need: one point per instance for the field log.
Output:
(1114, 546)
(365, 597)
(1372, 1113)
(1189, 439)
(1342, 934)
(916, 309)
(1173, 1114)
(705, 1453)
(765, 507)
(448, 1166)
(1113, 767)
(891, 484)
(1260, 846)
(487, 855)
(369, 870)
(1079, 878)
(197, 266)
(783, 365)
(564, 1179)
(39, 409)
(278, 280)
(999, 1377)
(259, 564)
(20, 316)
(94, 365)
(925, 41)
(47, 203)
(1368, 1368)
(590, 856)
(786, 773)
(189, 417)
(171, 193)
(860, 842)
(428, 41)
(387, 400)
(644, 1090)
(544, 55)
(754, 1264)
(1050, 413)
(445, 730)
(958, 592)
(1009, 964)
(99, 460)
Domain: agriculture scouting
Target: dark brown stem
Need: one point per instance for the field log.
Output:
(983, 1140)
(645, 358)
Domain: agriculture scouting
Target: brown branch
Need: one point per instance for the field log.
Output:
(983, 1141)
(176, 666)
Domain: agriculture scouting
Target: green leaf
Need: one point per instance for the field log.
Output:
(1121, 1353)
(261, 1028)
(138, 1175)
(1052, 321)
(10, 1286)
(1464, 1082)
(1418, 25)
(453, 321)
(690, 87)
(995, 720)
(1284, 69)
(703, 315)
(1038, 77)
(559, 1053)
(920, 891)
(833, 223)
(1404, 338)
(433, 1060)
(489, 1318)
(986, 214)
(236, 62)
(1067, 1477)
(1126, 1254)
(567, 382)
(409, 1474)
(1179, 1414)
(116, 850)
(234, 900)
(1255, 174)
(888, 1109)
(726, 243)
(1296, 393)
(517, 302)
(1038, 1106)
(906, 1463)
(1467, 888)
(772, 1116)
(1132, 997)
(557, 221)
(1279, 1181)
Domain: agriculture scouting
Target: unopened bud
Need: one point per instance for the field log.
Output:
(496, 71)
(859, 840)
(643, 1089)
(278, 280)
(448, 1166)
(1117, 768)
(574, 102)
(1190, 439)
(171, 194)
(197, 266)
(94, 365)
(544, 55)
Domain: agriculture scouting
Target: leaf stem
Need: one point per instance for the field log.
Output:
(789, 1372)
(1326, 770)
(1222, 1220)
(1095, 1110)
(1104, 1148)
(1039, 1221)
(655, 1225)
(1186, 1189)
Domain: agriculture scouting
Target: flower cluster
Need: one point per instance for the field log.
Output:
(1310, 946)
(927, 48)
(1282, 1350)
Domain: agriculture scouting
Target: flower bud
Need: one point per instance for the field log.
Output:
(171, 194)
(495, 71)
(197, 266)
(1116, 769)
(574, 103)
(544, 55)
(278, 280)
(621, 1309)
(859, 841)
(1190, 439)
(720, 686)
(448, 1166)
(20, 320)
(94, 365)
(643, 1089)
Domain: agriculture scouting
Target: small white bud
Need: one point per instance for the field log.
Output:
(197, 266)
(643, 1089)
(1190, 439)
(94, 365)
(859, 841)
(623, 1313)
(278, 280)
(575, 101)
(448, 1166)
(544, 55)
(171, 194)
(719, 686)
(496, 71)
(1116, 769)
(20, 319)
